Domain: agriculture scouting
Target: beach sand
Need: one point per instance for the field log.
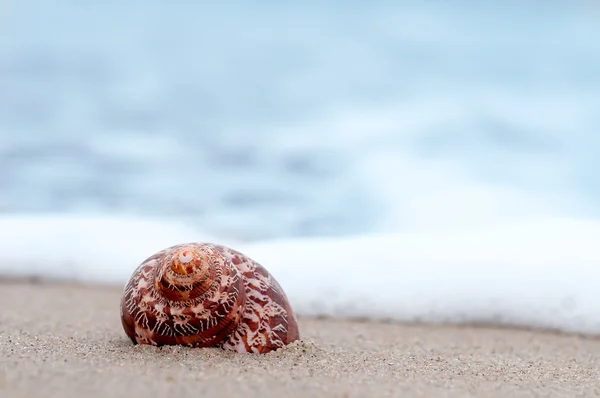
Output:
(64, 340)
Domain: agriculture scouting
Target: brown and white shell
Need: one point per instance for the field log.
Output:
(207, 295)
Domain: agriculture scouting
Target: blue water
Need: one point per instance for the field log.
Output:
(295, 120)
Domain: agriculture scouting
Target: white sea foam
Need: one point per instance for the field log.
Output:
(93, 249)
(542, 273)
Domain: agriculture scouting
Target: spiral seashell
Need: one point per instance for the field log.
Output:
(206, 295)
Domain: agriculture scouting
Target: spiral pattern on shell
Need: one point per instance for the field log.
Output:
(206, 295)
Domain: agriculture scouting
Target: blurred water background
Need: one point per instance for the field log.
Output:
(268, 119)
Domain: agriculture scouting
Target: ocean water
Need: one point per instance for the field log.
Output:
(269, 121)
(295, 131)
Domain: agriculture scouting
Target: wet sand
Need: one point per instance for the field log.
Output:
(65, 340)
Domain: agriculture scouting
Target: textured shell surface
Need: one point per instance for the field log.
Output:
(206, 295)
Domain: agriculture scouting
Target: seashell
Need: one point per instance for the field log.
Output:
(206, 295)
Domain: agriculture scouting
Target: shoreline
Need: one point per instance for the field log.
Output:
(58, 282)
(68, 338)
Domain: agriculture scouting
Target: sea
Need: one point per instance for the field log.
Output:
(311, 123)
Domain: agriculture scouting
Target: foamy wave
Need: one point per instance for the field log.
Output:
(101, 249)
(540, 274)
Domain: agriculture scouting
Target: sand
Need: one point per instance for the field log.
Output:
(60, 340)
